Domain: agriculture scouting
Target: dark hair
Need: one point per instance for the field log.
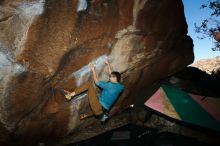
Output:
(117, 75)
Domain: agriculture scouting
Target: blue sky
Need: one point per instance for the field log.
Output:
(193, 14)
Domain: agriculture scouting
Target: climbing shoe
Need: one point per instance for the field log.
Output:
(104, 118)
(66, 94)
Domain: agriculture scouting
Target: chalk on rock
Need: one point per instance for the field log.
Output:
(82, 5)
(82, 75)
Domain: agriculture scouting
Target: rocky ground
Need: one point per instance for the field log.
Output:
(141, 117)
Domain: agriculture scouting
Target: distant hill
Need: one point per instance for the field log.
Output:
(202, 77)
(210, 66)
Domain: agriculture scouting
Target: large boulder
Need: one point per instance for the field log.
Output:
(46, 45)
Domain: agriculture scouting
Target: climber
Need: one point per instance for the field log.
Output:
(110, 91)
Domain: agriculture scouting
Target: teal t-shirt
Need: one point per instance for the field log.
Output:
(109, 93)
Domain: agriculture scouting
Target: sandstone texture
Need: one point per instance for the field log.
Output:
(46, 45)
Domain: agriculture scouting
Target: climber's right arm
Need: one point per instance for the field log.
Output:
(95, 78)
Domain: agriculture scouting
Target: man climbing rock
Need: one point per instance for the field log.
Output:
(110, 91)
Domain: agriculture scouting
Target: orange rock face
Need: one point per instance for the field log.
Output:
(47, 45)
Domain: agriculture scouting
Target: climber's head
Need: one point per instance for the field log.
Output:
(115, 77)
